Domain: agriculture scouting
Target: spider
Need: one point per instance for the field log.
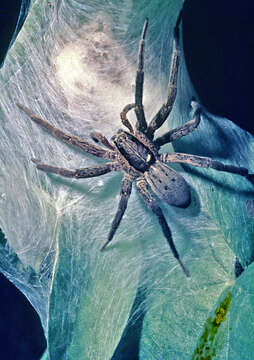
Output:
(136, 153)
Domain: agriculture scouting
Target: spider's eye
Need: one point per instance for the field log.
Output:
(121, 139)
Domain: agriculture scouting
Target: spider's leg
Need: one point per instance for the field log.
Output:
(124, 119)
(205, 162)
(124, 197)
(98, 137)
(152, 203)
(180, 131)
(88, 172)
(139, 109)
(166, 108)
(69, 139)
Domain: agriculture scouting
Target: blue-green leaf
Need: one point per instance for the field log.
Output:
(132, 301)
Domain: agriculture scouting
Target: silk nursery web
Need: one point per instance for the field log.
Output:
(74, 64)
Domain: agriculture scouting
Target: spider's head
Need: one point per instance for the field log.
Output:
(119, 138)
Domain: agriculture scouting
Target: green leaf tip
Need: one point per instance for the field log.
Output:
(206, 348)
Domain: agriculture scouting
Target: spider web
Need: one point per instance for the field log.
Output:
(79, 76)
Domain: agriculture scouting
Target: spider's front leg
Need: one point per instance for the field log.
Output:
(166, 108)
(69, 139)
(139, 108)
(181, 131)
(88, 172)
(152, 203)
(125, 192)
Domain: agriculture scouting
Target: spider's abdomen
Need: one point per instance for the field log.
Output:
(168, 185)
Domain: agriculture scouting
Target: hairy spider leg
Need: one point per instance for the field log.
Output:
(98, 137)
(161, 116)
(180, 131)
(150, 201)
(141, 124)
(83, 173)
(205, 162)
(123, 116)
(69, 139)
(125, 192)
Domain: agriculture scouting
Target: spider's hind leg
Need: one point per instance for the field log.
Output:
(152, 203)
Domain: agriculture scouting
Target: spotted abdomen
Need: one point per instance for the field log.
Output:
(168, 185)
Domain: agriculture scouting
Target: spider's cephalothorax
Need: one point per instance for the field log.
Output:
(136, 153)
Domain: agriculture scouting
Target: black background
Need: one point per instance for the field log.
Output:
(218, 40)
(9, 13)
(218, 43)
(21, 334)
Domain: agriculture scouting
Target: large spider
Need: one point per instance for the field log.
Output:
(134, 151)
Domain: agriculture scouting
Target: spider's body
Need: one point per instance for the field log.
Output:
(168, 185)
(139, 157)
(136, 153)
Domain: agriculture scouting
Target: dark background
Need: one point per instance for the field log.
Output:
(12, 16)
(21, 334)
(219, 45)
(218, 40)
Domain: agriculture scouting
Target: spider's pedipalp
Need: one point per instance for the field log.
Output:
(151, 202)
(123, 116)
(98, 137)
(124, 197)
